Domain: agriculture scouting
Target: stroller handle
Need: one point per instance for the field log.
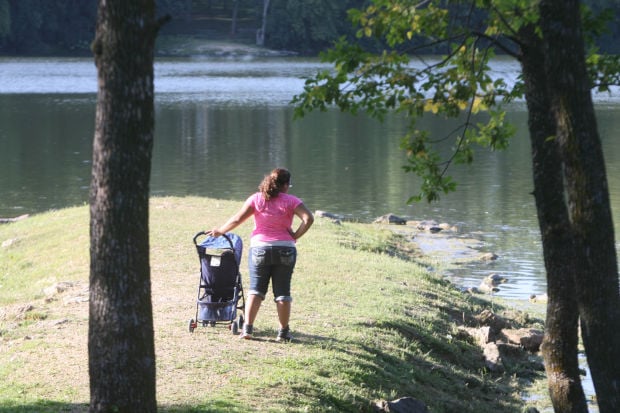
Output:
(232, 247)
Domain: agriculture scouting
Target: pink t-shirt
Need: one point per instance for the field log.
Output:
(273, 218)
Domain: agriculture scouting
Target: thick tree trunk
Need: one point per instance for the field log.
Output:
(561, 329)
(120, 340)
(596, 284)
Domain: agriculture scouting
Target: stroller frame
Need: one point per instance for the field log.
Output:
(220, 291)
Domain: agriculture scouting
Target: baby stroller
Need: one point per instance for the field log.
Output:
(220, 293)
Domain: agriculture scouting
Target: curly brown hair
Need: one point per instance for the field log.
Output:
(272, 184)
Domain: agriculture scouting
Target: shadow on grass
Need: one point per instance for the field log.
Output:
(43, 406)
(46, 406)
(449, 373)
(401, 358)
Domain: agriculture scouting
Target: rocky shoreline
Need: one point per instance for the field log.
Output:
(502, 338)
(441, 241)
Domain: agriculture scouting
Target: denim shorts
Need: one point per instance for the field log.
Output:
(273, 263)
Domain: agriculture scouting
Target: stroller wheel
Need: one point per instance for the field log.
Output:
(241, 321)
(234, 327)
(192, 325)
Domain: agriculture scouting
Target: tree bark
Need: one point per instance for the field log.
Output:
(120, 340)
(559, 346)
(596, 281)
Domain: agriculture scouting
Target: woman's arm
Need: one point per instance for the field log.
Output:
(306, 220)
(244, 213)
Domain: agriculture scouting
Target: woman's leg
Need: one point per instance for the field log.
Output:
(259, 281)
(252, 307)
(281, 282)
(284, 313)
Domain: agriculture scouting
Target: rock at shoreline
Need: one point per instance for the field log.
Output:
(433, 226)
(390, 219)
(402, 405)
(325, 214)
(539, 298)
(430, 226)
(488, 256)
(9, 220)
(529, 339)
(336, 219)
(492, 320)
(500, 342)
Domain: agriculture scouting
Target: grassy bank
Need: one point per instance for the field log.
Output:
(368, 325)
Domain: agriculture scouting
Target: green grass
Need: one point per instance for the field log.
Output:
(43, 249)
(370, 323)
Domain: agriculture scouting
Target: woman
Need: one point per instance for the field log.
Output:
(272, 253)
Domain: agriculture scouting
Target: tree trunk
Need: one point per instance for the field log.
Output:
(561, 330)
(120, 339)
(260, 34)
(233, 24)
(596, 282)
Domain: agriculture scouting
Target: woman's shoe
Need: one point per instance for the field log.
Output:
(284, 335)
(247, 332)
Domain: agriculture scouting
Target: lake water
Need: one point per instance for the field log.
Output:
(222, 124)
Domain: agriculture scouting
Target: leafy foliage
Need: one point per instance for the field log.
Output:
(458, 84)
(455, 84)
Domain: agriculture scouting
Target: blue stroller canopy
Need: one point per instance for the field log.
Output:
(222, 243)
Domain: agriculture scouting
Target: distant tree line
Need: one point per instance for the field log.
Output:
(67, 27)
(42, 27)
